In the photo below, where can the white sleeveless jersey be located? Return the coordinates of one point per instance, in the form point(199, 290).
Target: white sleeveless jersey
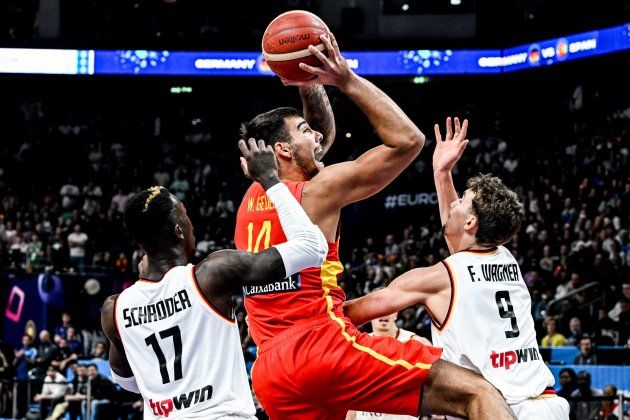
point(404, 336)
point(489, 328)
point(186, 357)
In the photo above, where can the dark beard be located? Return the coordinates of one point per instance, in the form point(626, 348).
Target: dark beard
point(309, 168)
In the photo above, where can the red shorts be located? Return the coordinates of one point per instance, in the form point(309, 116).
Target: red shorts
point(325, 366)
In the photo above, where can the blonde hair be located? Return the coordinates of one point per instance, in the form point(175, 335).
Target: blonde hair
point(153, 192)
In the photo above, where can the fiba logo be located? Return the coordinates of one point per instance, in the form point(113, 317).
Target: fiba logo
point(562, 49)
point(533, 55)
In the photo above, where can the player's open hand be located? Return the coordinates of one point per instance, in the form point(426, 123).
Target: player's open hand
point(450, 149)
point(334, 70)
point(259, 162)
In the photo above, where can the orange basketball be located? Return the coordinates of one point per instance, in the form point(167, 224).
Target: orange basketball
point(286, 40)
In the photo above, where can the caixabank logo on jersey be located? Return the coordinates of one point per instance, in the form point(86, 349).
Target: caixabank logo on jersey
point(164, 408)
point(506, 359)
point(290, 284)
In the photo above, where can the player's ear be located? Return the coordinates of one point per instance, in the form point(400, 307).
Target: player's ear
point(471, 223)
point(178, 231)
point(282, 149)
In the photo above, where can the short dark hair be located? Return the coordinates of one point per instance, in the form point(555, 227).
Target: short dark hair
point(497, 208)
point(269, 126)
point(570, 372)
point(149, 219)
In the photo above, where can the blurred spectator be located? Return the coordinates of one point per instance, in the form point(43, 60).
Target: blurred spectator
point(585, 410)
point(391, 248)
point(575, 332)
point(611, 409)
point(553, 338)
point(587, 354)
point(75, 342)
point(204, 246)
point(66, 321)
point(122, 263)
point(6, 380)
point(540, 311)
point(53, 392)
point(102, 393)
point(69, 193)
point(24, 361)
point(46, 353)
point(119, 200)
point(161, 176)
point(180, 186)
point(100, 351)
point(624, 320)
point(64, 356)
point(76, 244)
point(568, 382)
point(79, 391)
point(605, 330)
point(564, 289)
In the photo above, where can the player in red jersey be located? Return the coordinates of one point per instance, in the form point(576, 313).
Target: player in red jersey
point(312, 362)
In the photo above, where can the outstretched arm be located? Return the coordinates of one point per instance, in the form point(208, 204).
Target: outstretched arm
point(427, 286)
point(447, 152)
point(402, 140)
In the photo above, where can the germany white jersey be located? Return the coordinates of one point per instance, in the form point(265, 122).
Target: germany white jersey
point(185, 356)
point(404, 336)
point(489, 328)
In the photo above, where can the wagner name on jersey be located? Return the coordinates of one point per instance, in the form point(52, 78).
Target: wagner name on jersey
point(489, 328)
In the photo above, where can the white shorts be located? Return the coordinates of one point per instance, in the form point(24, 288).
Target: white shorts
point(545, 407)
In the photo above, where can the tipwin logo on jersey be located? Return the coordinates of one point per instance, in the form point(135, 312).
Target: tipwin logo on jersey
point(508, 358)
point(163, 408)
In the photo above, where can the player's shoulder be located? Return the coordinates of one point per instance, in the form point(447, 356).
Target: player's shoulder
point(110, 302)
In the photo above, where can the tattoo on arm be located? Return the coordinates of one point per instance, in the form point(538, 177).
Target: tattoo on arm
point(318, 113)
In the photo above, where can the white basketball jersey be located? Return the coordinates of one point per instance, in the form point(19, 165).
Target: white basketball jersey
point(186, 357)
point(489, 328)
point(404, 336)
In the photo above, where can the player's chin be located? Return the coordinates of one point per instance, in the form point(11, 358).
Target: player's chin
point(320, 165)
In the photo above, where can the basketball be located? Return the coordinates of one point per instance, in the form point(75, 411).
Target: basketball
point(286, 40)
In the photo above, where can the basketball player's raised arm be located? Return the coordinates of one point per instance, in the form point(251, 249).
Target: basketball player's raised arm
point(426, 286)
point(402, 141)
point(306, 245)
point(319, 115)
point(447, 152)
point(121, 371)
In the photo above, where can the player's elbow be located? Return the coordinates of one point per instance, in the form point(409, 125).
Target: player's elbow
point(411, 143)
point(416, 140)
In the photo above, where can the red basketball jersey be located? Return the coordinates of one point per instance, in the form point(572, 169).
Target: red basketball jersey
point(276, 306)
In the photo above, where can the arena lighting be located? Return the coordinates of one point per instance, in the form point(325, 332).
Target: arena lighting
point(415, 63)
point(181, 89)
point(456, 2)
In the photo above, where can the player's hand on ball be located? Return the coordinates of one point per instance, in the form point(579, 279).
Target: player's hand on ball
point(334, 70)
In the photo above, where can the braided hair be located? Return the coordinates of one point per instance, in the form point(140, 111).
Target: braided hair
point(150, 219)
